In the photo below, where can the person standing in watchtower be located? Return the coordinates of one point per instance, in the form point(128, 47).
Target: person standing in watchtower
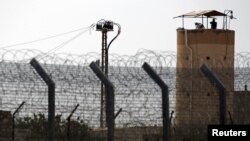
point(213, 24)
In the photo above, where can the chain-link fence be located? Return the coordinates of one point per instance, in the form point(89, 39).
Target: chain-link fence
point(136, 94)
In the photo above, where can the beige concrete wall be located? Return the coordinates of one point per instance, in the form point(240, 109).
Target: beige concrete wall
point(197, 101)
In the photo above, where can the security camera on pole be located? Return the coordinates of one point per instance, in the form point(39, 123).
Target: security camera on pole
point(105, 26)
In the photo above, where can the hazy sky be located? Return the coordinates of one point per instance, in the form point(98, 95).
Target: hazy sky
point(145, 24)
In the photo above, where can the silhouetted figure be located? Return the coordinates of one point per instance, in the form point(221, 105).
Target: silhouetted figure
point(213, 24)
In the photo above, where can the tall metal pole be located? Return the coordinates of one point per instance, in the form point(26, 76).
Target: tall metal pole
point(165, 100)
point(103, 68)
point(104, 27)
point(51, 97)
point(222, 91)
point(110, 100)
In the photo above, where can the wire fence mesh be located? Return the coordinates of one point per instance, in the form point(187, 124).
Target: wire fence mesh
point(135, 92)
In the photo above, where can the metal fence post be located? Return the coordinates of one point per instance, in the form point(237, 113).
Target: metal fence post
point(222, 90)
point(68, 119)
point(51, 97)
point(109, 100)
point(13, 119)
point(165, 99)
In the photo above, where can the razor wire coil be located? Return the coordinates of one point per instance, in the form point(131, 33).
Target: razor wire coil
point(135, 92)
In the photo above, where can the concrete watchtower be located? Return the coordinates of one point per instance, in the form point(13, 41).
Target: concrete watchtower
point(197, 101)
